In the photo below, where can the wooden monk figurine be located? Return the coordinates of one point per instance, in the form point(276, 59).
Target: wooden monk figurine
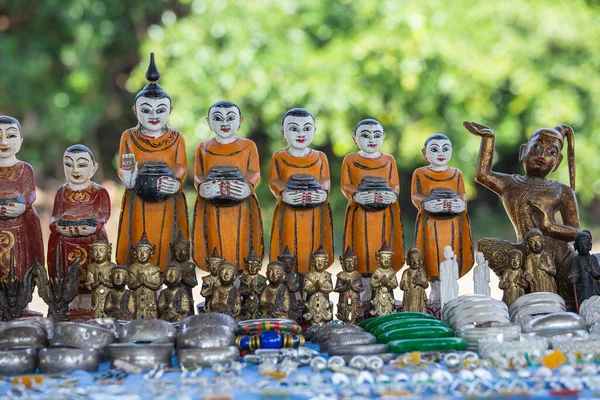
point(438, 192)
point(349, 285)
point(226, 297)
point(81, 208)
point(20, 228)
point(318, 285)
point(144, 279)
point(174, 303)
point(98, 275)
point(275, 298)
point(227, 172)
point(299, 179)
point(512, 281)
point(413, 283)
point(292, 282)
point(211, 282)
point(371, 185)
point(252, 285)
point(180, 255)
point(585, 268)
point(539, 267)
point(152, 166)
point(383, 282)
point(120, 301)
point(532, 201)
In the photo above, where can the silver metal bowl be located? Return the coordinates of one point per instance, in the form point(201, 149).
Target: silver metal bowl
point(207, 357)
point(22, 336)
point(18, 361)
point(201, 337)
point(64, 360)
point(145, 356)
point(209, 319)
point(46, 323)
point(148, 331)
point(81, 336)
point(107, 323)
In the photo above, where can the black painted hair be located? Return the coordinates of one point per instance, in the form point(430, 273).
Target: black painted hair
point(297, 112)
point(583, 234)
point(124, 268)
point(152, 90)
point(437, 136)
point(5, 119)
point(224, 104)
point(367, 121)
point(79, 148)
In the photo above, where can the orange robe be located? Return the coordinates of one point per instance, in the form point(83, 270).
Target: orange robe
point(161, 220)
point(303, 230)
point(433, 233)
point(231, 228)
point(365, 231)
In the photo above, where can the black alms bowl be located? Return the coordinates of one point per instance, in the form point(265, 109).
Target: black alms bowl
point(146, 185)
point(225, 173)
point(374, 184)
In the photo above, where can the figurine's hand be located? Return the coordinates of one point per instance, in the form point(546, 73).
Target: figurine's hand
point(238, 190)
point(434, 206)
point(542, 215)
point(478, 129)
point(84, 230)
point(385, 197)
point(64, 230)
point(12, 210)
point(129, 170)
point(209, 189)
point(167, 185)
point(292, 197)
point(316, 197)
point(364, 198)
point(455, 205)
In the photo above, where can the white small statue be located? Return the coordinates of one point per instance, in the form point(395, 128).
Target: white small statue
point(448, 276)
point(481, 275)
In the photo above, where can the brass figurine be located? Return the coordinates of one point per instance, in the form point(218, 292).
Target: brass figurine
point(585, 269)
point(275, 298)
point(174, 303)
point(318, 285)
point(349, 285)
point(293, 282)
point(413, 283)
point(180, 255)
point(120, 301)
point(98, 275)
point(512, 281)
point(58, 292)
point(226, 297)
point(15, 292)
point(383, 282)
point(144, 279)
point(252, 285)
point(211, 282)
point(539, 267)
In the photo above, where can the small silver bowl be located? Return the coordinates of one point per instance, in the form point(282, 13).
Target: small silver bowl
point(209, 319)
point(18, 361)
point(81, 336)
point(43, 322)
point(56, 360)
point(207, 357)
point(107, 323)
point(22, 336)
point(202, 337)
point(148, 331)
point(145, 356)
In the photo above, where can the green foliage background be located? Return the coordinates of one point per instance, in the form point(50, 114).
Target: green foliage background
point(70, 69)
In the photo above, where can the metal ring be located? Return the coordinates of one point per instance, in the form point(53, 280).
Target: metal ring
point(451, 360)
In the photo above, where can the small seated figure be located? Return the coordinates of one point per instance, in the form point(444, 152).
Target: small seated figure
point(413, 283)
point(383, 282)
point(539, 267)
point(144, 279)
point(448, 277)
point(512, 281)
point(120, 301)
point(210, 282)
point(292, 281)
point(98, 275)
point(252, 285)
point(481, 275)
point(180, 255)
point(585, 269)
point(275, 298)
point(349, 285)
point(174, 303)
point(226, 297)
point(318, 285)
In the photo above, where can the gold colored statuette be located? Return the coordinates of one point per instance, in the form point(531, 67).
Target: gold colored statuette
point(275, 298)
point(120, 301)
point(174, 303)
point(251, 286)
point(349, 286)
point(512, 281)
point(211, 282)
point(144, 280)
point(226, 297)
point(383, 282)
point(318, 285)
point(98, 276)
point(413, 283)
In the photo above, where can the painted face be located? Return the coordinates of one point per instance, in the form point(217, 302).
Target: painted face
point(414, 260)
point(253, 266)
point(349, 264)
point(153, 113)
point(516, 261)
point(79, 167)
point(224, 121)
point(385, 259)
point(299, 131)
point(119, 277)
point(535, 243)
point(226, 274)
point(172, 275)
point(100, 253)
point(213, 265)
point(10, 140)
point(369, 138)
point(274, 274)
point(143, 253)
point(320, 262)
point(542, 155)
point(181, 252)
point(438, 152)
point(583, 244)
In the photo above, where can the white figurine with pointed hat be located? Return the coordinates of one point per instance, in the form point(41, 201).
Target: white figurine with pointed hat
point(448, 277)
point(481, 275)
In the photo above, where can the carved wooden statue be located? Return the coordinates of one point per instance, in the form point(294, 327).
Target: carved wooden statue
point(413, 283)
point(98, 276)
point(15, 293)
point(349, 285)
point(180, 255)
point(585, 268)
point(226, 297)
point(120, 301)
point(174, 303)
point(318, 285)
point(539, 267)
point(211, 282)
point(512, 281)
point(59, 291)
point(292, 281)
point(383, 282)
point(144, 279)
point(275, 298)
point(252, 285)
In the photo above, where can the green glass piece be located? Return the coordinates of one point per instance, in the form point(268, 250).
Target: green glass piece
point(406, 323)
point(416, 332)
point(429, 344)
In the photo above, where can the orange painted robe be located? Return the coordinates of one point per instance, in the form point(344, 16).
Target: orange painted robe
point(303, 230)
point(231, 228)
point(365, 231)
point(22, 234)
point(433, 233)
point(161, 220)
point(92, 202)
